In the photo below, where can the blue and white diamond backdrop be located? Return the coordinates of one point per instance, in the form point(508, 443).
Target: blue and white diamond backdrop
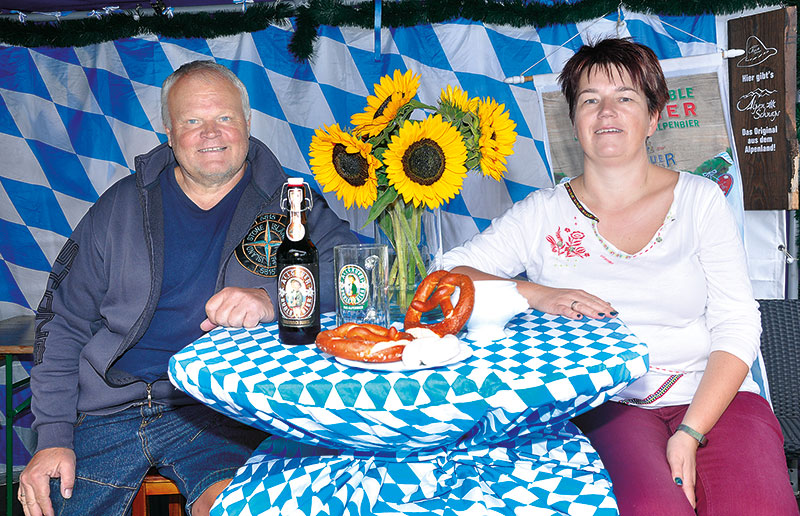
point(73, 119)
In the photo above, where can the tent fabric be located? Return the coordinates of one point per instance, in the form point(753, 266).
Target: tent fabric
point(73, 119)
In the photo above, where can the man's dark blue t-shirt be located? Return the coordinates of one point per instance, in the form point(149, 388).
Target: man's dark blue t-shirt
point(193, 240)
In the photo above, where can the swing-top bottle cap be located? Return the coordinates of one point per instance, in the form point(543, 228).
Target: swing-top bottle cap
point(295, 181)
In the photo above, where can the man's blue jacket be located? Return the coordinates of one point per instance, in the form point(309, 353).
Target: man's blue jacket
point(106, 282)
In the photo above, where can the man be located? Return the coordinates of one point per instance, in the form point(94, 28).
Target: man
point(184, 245)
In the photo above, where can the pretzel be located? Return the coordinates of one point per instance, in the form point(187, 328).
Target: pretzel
point(436, 289)
point(356, 342)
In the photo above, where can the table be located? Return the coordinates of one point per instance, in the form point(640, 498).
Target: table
point(16, 338)
point(489, 435)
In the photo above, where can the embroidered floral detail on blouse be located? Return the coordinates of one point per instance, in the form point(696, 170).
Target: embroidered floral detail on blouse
point(569, 247)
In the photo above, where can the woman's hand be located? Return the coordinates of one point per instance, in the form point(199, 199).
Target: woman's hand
point(572, 303)
point(682, 456)
point(721, 380)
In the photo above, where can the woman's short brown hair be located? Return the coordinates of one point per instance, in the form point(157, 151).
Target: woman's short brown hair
point(617, 55)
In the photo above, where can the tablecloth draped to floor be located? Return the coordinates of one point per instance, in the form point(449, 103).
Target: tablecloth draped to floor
point(490, 435)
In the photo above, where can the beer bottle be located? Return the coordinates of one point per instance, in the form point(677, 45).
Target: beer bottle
point(298, 271)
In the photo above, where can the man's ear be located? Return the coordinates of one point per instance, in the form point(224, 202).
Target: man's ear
point(169, 136)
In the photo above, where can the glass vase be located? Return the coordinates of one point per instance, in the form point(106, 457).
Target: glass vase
point(414, 237)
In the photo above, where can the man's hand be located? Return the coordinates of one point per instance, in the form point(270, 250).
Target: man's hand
point(682, 459)
point(238, 308)
point(34, 482)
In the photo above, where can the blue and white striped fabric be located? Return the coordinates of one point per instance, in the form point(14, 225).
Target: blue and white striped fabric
point(485, 436)
point(73, 119)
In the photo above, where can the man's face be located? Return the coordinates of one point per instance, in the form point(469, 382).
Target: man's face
point(209, 134)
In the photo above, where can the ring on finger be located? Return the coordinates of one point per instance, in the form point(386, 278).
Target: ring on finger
point(572, 306)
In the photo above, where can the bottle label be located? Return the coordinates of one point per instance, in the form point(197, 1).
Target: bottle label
point(296, 295)
point(353, 288)
point(295, 231)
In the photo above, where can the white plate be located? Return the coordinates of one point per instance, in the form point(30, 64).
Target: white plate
point(465, 351)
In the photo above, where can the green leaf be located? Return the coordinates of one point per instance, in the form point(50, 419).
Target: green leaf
point(378, 153)
point(380, 205)
point(385, 224)
point(473, 162)
point(415, 104)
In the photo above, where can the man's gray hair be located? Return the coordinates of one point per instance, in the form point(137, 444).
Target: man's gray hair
point(200, 67)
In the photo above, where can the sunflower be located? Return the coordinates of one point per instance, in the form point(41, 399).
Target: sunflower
point(343, 163)
point(497, 137)
point(453, 96)
point(425, 161)
point(390, 95)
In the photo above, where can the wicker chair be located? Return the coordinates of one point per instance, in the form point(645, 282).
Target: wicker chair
point(780, 345)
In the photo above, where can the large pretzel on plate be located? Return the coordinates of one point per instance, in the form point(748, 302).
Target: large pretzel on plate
point(357, 341)
point(435, 290)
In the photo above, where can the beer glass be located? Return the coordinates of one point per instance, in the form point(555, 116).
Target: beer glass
point(362, 274)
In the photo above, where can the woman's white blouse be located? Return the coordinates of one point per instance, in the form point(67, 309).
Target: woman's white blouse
point(685, 294)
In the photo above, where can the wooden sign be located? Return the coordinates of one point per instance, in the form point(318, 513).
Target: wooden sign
point(762, 98)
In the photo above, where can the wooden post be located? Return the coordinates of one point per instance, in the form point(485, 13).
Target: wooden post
point(763, 96)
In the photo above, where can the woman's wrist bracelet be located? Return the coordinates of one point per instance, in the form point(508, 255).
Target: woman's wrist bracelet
point(700, 438)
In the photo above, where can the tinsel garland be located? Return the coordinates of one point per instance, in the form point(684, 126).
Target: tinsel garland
point(91, 30)
point(308, 18)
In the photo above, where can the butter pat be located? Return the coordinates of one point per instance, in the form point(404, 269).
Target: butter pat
point(428, 349)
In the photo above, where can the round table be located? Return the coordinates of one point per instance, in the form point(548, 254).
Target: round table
point(488, 435)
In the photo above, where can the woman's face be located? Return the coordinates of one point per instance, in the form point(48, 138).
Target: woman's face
point(611, 117)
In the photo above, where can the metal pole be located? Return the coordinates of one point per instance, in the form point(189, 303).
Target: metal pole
point(9, 433)
point(791, 245)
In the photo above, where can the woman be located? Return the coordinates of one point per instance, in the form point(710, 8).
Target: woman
point(661, 249)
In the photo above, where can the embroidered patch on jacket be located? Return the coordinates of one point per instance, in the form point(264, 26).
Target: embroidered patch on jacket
point(256, 252)
point(568, 245)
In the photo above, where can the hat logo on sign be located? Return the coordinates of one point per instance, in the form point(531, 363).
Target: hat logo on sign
point(757, 52)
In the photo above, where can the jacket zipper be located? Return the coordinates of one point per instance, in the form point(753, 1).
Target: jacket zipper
point(149, 395)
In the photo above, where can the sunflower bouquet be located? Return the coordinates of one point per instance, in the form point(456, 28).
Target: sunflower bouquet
point(398, 166)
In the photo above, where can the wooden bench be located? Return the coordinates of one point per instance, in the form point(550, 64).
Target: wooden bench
point(16, 340)
point(156, 485)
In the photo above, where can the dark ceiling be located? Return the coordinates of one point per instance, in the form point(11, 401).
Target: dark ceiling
point(89, 5)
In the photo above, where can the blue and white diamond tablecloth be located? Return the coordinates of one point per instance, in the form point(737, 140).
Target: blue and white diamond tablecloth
point(489, 435)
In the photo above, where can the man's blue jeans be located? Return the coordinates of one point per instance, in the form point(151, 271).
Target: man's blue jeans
point(192, 445)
